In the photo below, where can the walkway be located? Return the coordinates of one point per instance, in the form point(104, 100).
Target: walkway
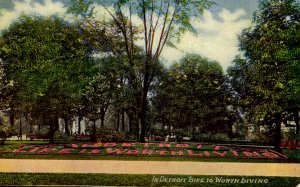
point(149, 167)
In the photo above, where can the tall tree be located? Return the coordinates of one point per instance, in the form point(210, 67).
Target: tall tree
point(271, 51)
point(47, 64)
point(162, 23)
point(192, 95)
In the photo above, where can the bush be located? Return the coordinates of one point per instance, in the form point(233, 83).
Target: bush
point(202, 137)
point(58, 135)
point(261, 137)
point(110, 135)
point(180, 132)
point(5, 132)
point(211, 137)
point(291, 135)
point(160, 132)
point(219, 137)
point(130, 137)
point(43, 132)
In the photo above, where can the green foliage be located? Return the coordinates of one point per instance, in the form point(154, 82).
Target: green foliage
point(5, 129)
point(191, 94)
point(5, 132)
point(110, 135)
point(162, 20)
point(269, 50)
point(59, 135)
point(264, 80)
point(262, 137)
point(208, 137)
point(81, 7)
point(291, 135)
point(47, 65)
point(43, 132)
point(42, 52)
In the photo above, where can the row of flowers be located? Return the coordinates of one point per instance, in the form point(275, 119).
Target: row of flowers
point(291, 144)
point(157, 145)
point(238, 153)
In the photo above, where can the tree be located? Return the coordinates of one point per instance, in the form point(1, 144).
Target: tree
point(162, 22)
point(47, 65)
point(192, 95)
point(271, 49)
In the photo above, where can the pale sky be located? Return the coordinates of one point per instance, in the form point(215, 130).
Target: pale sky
point(217, 30)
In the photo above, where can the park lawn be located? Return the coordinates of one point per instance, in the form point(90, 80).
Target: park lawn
point(141, 180)
point(10, 146)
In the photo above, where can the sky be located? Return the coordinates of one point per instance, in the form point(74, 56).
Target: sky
point(217, 29)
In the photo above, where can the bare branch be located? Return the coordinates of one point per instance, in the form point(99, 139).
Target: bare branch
point(145, 25)
point(151, 29)
point(131, 29)
point(167, 34)
point(163, 31)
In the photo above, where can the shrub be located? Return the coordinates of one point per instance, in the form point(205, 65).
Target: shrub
point(208, 137)
point(202, 137)
point(130, 137)
point(59, 135)
point(219, 137)
point(110, 135)
point(160, 132)
point(180, 132)
point(43, 132)
point(261, 137)
point(5, 132)
point(291, 135)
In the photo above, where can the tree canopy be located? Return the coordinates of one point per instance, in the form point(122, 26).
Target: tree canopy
point(265, 78)
point(46, 65)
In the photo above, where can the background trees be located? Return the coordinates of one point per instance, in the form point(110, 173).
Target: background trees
point(191, 95)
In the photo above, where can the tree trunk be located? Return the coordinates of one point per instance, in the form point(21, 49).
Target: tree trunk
point(130, 121)
point(102, 117)
point(143, 113)
point(12, 119)
point(51, 132)
point(296, 119)
point(143, 125)
point(67, 130)
point(20, 128)
point(277, 136)
point(123, 120)
point(94, 136)
point(136, 126)
point(79, 125)
point(118, 121)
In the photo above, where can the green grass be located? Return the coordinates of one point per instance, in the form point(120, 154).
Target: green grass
point(293, 154)
point(12, 145)
point(136, 180)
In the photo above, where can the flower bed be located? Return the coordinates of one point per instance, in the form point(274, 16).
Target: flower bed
point(152, 149)
point(291, 144)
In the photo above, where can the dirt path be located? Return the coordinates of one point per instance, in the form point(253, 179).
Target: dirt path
point(149, 167)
